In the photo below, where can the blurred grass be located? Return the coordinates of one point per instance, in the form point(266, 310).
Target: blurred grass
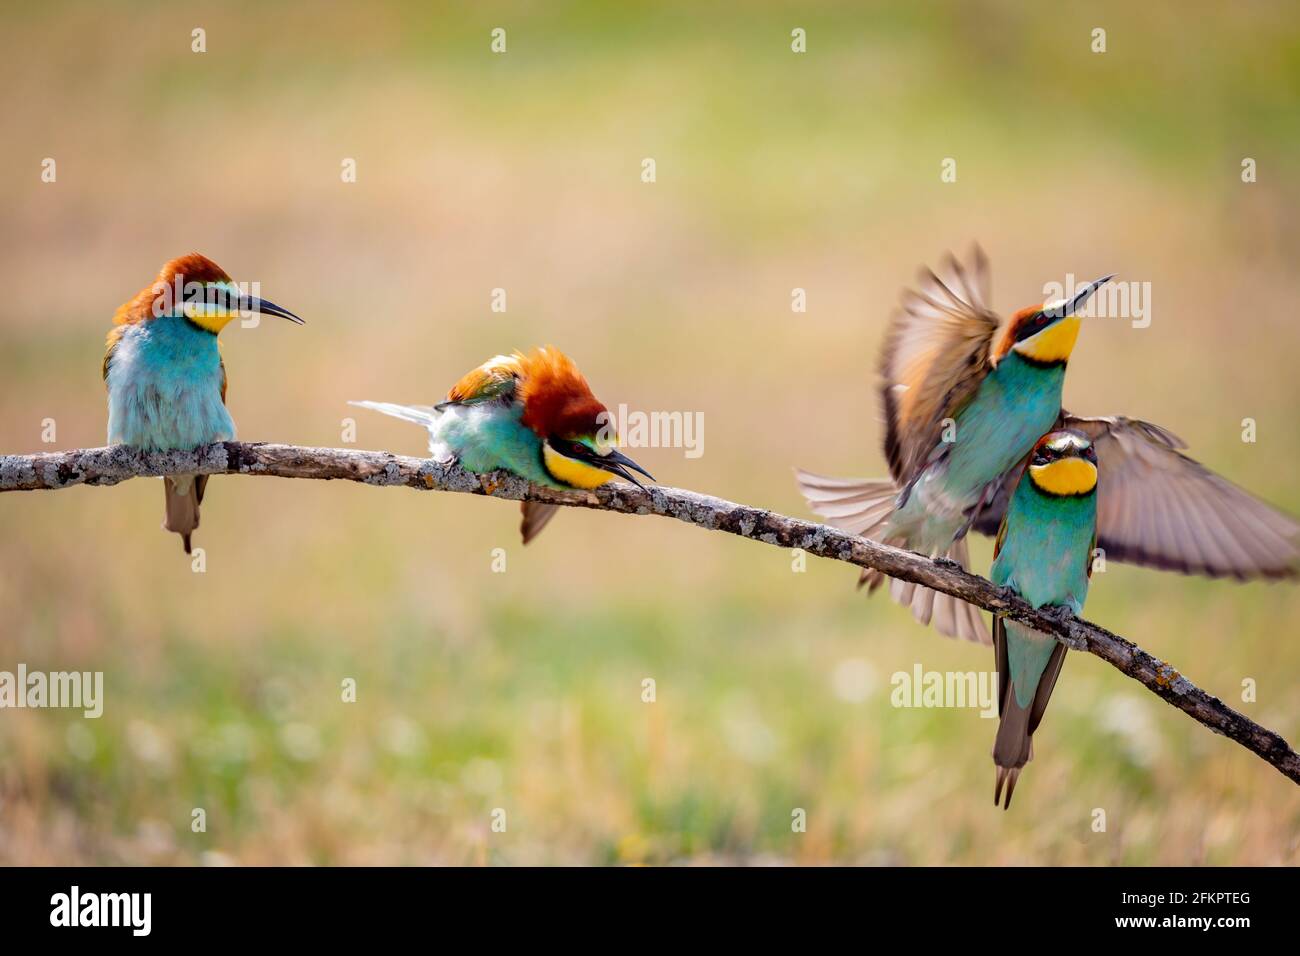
point(522, 690)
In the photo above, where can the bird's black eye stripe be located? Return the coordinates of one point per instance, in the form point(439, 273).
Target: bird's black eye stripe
point(571, 449)
point(214, 295)
point(1034, 325)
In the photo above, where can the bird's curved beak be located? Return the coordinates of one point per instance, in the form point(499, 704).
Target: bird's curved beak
point(1066, 307)
point(618, 463)
point(251, 303)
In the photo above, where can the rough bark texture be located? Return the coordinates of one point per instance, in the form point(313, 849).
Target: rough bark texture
point(108, 466)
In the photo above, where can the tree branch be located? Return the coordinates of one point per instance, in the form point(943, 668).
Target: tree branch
point(108, 466)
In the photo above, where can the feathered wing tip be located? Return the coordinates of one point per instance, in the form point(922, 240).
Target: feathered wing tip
point(536, 516)
point(183, 495)
point(1159, 508)
point(937, 350)
point(496, 378)
point(951, 617)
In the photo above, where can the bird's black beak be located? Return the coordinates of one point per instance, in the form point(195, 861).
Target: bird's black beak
point(1070, 306)
point(615, 462)
point(618, 463)
point(251, 303)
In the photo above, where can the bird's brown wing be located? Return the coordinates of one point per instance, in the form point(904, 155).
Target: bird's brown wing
point(1157, 507)
point(936, 353)
point(114, 336)
point(497, 378)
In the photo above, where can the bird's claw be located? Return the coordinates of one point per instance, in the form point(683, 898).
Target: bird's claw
point(1059, 613)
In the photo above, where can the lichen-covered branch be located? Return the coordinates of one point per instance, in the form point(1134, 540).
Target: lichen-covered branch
point(108, 466)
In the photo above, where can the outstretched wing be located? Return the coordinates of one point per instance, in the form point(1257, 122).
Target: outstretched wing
point(936, 353)
point(1157, 507)
point(494, 379)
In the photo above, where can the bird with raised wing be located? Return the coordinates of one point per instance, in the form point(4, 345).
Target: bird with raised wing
point(165, 375)
point(964, 407)
point(532, 415)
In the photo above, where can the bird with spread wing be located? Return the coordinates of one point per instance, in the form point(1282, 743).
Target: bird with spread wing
point(964, 407)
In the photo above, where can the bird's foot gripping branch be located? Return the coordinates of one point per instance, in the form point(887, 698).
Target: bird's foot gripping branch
point(108, 466)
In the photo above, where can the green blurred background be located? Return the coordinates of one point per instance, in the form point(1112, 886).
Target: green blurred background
point(522, 690)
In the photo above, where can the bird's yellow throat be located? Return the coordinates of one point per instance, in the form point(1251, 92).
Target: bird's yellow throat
point(1053, 344)
point(1065, 476)
point(571, 472)
point(214, 318)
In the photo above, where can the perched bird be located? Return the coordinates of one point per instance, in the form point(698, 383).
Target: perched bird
point(164, 372)
point(532, 415)
point(1044, 554)
point(962, 412)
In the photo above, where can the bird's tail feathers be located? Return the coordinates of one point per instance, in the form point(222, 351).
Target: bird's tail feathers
point(951, 617)
point(536, 515)
point(425, 415)
point(860, 506)
point(184, 494)
point(1013, 747)
point(864, 507)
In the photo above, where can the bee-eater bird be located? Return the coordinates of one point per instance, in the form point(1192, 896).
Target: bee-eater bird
point(164, 372)
point(532, 415)
point(1044, 554)
point(961, 413)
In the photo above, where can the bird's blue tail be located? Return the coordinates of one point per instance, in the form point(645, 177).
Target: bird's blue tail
point(425, 415)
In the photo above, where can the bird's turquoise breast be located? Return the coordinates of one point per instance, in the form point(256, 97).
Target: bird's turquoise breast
point(1044, 558)
point(1017, 403)
point(164, 387)
point(1047, 546)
